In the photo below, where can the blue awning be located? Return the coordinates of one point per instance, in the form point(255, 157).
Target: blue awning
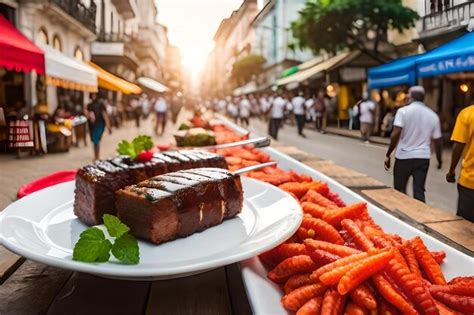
point(398, 72)
point(454, 56)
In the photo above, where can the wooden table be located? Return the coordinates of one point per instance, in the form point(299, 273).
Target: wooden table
point(38, 289)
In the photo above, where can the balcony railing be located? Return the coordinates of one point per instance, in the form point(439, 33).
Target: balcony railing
point(451, 17)
point(76, 9)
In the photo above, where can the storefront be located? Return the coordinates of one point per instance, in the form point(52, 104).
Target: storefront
point(18, 56)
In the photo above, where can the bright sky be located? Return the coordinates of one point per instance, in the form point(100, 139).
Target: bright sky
point(192, 25)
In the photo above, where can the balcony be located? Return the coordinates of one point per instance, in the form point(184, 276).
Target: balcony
point(445, 18)
point(115, 49)
point(126, 8)
point(77, 10)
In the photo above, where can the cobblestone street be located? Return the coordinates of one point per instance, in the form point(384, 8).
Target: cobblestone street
point(16, 172)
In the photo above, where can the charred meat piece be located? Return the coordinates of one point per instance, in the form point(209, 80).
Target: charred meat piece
point(96, 184)
point(179, 204)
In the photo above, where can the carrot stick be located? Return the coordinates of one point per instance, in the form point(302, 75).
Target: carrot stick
point(359, 238)
point(323, 230)
point(297, 298)
point(364, 297)
point(459, 303)
point(339, 250)
point(410, 258)
point(317, 198)
point(350, 212)
point(332, 302)
point(338, 265)
point(311, 307)
point(315, 210)
point(354, 309)
point(427, 262)
point(321, 257)
point(385, 288)
point(455, 289)
point(297, 281)
point(363, 271)
point(291, 266)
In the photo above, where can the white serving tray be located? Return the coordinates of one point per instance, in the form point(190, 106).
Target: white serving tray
point(264, 296)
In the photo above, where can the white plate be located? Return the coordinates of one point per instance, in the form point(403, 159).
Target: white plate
point(265, 296)
point(42, 227)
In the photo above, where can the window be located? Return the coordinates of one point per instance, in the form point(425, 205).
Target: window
point(57, 43)
point(43, 36)
point(78, 54)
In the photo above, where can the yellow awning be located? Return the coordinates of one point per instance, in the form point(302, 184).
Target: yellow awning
point(111, 82)
point(319, 68)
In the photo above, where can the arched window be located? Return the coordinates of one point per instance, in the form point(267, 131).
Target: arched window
point(78, 54)
point(43, 36)
point(57, 44)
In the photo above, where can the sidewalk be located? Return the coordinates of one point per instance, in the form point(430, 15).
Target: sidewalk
point(356, 135)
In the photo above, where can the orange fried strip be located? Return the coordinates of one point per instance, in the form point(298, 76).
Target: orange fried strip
point(317, 198)
point(410, 258)
point(331, 303)
point(339, 250)
point(359, 238)
point(315, 210)
point(291, 266)
point(338, 265)
point(297, 298)
point(362, 271)
point(385, 288)
point(427, 262)
point(457, 289)
point(354, 309)
point(311, 307)
point(350, 212)
point(364, 297)
point(323, 230)
point(297, 281)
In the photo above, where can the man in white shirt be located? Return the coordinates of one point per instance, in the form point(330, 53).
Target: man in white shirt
point(233, 109)
point(299, 110)
point(244, 111)
point(365, 110)
point(414, 127)
point(277, 112)
point(160, 108)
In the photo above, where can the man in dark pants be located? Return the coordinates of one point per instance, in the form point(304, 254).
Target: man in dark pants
point(415, 126)
point(299, 111)
point(463, 138)
point(277, 110)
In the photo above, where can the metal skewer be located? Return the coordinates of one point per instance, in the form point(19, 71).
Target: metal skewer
point(253, 168)
point(258, 142)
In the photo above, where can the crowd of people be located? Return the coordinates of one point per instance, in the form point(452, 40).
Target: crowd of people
point(277, 108)
point(413, 130)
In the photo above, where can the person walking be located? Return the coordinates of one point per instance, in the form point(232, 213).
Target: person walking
point(463, 141)
point(299, 110)
point(415, 127)
point(277, 112)
point(97, 119)
point(233, 109)
point(320, 105)
point(244, 111)
point(365, 109)
point(161, 108)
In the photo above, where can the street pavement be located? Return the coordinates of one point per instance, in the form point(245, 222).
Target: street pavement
point(365, 158)
point(15, 172)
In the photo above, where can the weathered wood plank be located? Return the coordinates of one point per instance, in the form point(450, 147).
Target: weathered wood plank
point(394, 200)
point(31, 289)
point(237, 294)
point(359, 182)
point(9, 262)
point(205, 293)
point(294, 152)
point(85, 293)
point(461, 232)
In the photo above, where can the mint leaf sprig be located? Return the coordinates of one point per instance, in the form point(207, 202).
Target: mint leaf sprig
point(138, 144)
point(93, 246)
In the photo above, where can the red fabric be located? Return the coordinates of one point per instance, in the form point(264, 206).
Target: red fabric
point(43, 182)
point(17, 52)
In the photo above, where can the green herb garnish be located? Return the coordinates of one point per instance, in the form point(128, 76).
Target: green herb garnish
point(132, 149)
point(93, 246)
point(114, 226)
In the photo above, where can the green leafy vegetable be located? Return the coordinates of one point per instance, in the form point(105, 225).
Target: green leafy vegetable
point(126, 250)
point(92, 246)
point(114, 226)
point(132, 149)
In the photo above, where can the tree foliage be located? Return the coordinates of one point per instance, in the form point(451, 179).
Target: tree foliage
point(331, 25)
point(246, 67)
